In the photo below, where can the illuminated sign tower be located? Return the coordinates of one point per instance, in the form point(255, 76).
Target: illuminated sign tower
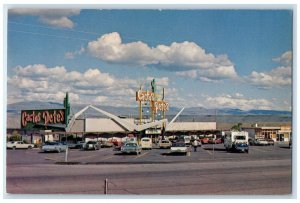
point(156, 102)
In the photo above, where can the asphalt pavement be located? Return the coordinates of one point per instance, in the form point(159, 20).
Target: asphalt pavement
point(265, 170)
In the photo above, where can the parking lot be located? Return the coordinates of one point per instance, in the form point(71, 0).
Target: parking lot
point(208, 152)
point(265, 170)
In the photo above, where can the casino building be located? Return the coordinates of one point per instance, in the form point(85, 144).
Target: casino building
point(40, 125)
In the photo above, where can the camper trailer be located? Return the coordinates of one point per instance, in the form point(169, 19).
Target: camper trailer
point(236, 141)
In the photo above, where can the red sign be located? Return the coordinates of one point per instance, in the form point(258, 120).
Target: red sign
point(161, 106)
point(45, 117)
point(144, 96)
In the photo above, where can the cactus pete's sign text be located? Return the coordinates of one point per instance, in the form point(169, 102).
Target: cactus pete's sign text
point(50, 116)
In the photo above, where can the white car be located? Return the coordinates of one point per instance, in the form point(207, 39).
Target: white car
point(179, 147)
point(18, 145)
point(54, 147)
point(164, 144)
point(146, 143)
point(261, 142)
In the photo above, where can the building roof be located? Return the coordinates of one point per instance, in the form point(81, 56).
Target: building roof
point(271, 128)
point(102, 125)
point(78, 126)
point(192, 126)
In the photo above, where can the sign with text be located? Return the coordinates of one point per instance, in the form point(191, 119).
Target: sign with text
point(144, 96)
point(160, 106)
point(152, 131)
point(43, 117)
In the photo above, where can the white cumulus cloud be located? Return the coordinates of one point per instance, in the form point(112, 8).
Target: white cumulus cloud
point(285, 58)
point(278, 77)
point(237, 101)
point(41, 83)
point(188, 58)
point(71, 55)
point(109, 47)
point(53, 17)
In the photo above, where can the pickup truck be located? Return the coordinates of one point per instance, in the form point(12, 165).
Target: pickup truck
point(18, 145)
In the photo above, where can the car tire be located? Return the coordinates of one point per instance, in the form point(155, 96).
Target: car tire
point(58, 150)
point(14, 148)
point(29, 147)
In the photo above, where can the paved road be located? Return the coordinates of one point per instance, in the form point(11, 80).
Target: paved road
point(243, 177)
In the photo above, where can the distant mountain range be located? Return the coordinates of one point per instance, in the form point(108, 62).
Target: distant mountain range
point(133, 111)
point(192, 114)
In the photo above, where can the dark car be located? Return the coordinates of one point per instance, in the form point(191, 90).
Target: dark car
point(79, 144)
point(70, 145)
point(251, 141)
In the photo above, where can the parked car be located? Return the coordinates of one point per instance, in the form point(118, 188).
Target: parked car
point(91, 145)
point(106, 144)
point(218, 141)
point(70, 145)
point(211, 141)
point(261, 142)
point(54, 147)
point(79, 144)
point(187, 140)
point(270, 141)
point(164, 144)
point(251, 141)
point(146, 143)
point(118, 146)
point(131, 147)
point(179, 147)
point(18, 145)
point(204, 140)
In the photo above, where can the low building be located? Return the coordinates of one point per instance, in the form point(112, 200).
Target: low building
point(266, 132)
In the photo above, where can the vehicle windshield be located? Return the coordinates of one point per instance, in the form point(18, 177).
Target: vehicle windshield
point(146, 140)
point(131, 145)
point(240, 137)
point(91, 142)
point(164, 141)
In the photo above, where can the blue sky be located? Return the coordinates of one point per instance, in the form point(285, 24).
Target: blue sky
point(209, 58)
